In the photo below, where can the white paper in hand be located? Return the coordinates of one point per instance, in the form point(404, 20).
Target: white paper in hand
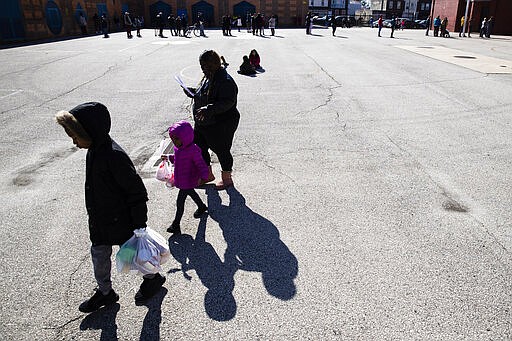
point(182, 84)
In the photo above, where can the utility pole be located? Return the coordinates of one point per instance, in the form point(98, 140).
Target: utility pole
point(465, 19)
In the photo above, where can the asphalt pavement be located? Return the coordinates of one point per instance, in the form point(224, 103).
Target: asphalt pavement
point(371, 200)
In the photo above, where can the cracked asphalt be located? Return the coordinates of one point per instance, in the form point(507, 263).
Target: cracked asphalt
point(372, 196)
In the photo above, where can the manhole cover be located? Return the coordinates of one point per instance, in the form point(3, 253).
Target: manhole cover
point(465, 57)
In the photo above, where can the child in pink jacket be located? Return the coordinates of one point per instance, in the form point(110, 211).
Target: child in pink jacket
point(190, 171)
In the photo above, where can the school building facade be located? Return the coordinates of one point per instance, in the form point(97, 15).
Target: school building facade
point(25, 20)
point(500, 10)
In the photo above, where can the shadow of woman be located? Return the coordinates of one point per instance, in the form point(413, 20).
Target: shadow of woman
point(104, 319)
point(253, 243)
point(218, 277)
point(151, 325)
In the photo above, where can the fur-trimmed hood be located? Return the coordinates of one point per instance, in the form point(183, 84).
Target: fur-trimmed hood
point(90, 121)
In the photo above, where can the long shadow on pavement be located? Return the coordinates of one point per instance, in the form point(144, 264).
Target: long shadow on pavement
point(104, 319)
point(151, 325)
point(253, 244)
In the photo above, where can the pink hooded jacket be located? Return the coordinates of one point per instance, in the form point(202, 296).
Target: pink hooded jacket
point(189, 165)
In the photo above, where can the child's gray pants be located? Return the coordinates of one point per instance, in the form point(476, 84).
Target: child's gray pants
point(102, 265)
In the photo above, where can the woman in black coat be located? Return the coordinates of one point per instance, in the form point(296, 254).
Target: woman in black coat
point(215, 115)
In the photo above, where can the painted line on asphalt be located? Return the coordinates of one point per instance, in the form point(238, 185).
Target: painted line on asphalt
point(12, 93)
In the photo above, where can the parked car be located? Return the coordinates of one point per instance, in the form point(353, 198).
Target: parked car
point(385, 23)
point(420, 23)
point(345, 21)
point(321, 21)
point(408, 23)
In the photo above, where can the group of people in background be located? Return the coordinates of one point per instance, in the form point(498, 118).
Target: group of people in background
point(466, 26)
point(486, 27)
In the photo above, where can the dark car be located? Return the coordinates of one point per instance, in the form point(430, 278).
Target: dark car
point(345, 21)
point(420, 23)
point(321, 21)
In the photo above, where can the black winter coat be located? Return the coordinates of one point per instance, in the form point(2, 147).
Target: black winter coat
point(115, 195)
point(219, 96)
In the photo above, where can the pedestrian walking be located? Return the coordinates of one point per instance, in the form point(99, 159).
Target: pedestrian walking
point(104, 25)
point(393, 26)
point(128, 24)
point(115, 198)
point(83, 24)
point(178, 25)
point(461, 31)
point(172, 24)
point(216, 117)
point(190, 171)
point(308, 23)
point(488, 29)
point(371, 22)
point(333, 25)
point(428, 22)
point(272, 24)
point(160, 24)
point(139, 23)
point(380, 23)
point(437, 25)
point(444, 25)
point(239, 23)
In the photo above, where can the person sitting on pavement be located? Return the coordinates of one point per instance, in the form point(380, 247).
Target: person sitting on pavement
point(254, 59)
point(246, 68)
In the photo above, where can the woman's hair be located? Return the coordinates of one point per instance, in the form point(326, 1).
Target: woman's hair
point(210, 57)
point(246, 59)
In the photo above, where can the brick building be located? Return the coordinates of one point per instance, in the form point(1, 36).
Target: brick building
point(501, 10)
point(22, 20)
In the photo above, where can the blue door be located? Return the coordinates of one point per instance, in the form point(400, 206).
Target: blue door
point(11, 22)
point(158, 7)
point(102, 9)
point(242, 8)
point(53, 17)
point(205, 9)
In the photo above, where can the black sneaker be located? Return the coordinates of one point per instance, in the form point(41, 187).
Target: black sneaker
point(174, 228)
point(200, 211)
point(149, 288)
point(98, 300)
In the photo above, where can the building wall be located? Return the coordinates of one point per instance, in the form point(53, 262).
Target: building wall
point(35, 16)
point(290, 12)
point(455, 9)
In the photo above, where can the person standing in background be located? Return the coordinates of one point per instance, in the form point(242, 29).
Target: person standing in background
point(83, 24)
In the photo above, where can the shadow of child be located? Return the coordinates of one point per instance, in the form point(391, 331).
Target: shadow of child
point(104, 319)
point(253, 244)
point(151, 325)
point(200, 256)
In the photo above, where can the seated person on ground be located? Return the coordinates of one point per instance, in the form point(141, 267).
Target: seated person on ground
point(246, 68)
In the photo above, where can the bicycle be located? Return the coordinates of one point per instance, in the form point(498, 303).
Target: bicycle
point(193, 29)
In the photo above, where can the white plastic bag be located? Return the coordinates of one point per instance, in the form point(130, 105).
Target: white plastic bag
point(144, 252)
point(165, 170)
